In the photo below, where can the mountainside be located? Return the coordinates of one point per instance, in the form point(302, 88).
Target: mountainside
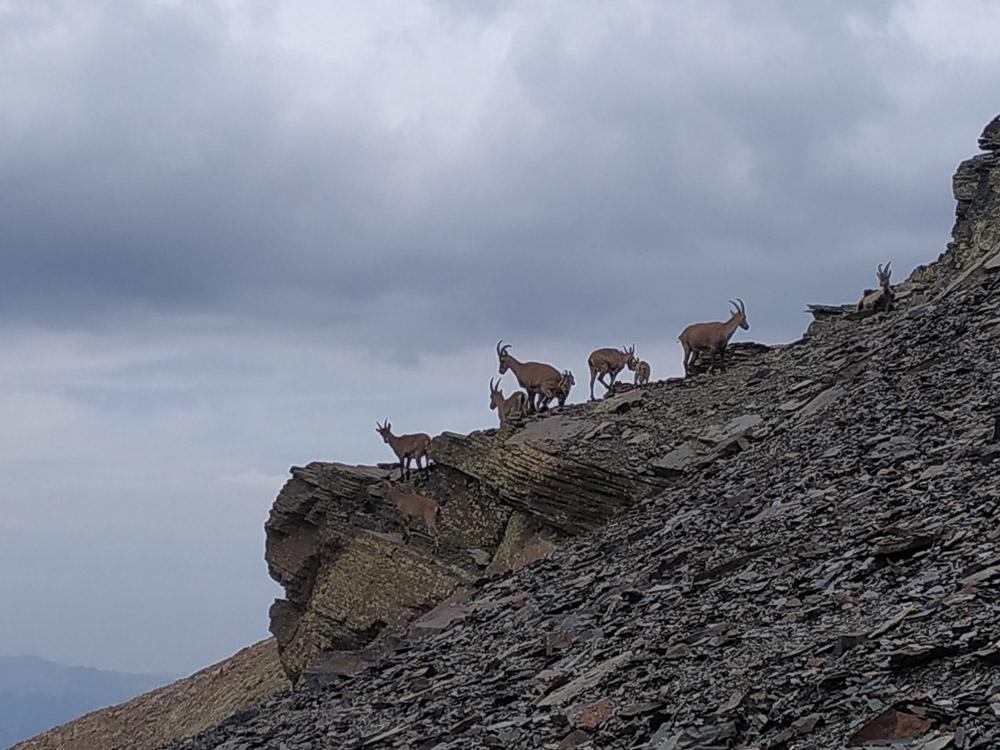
point(802, 552)
point(168, 713)
point(36, 694)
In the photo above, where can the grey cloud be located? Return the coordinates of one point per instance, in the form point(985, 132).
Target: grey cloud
point(616, 155)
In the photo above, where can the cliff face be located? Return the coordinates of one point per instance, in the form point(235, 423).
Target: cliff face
point(507, 498)
point(975, 237)
point(801, 552)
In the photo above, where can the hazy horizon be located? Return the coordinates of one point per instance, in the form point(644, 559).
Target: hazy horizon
point(235, 235)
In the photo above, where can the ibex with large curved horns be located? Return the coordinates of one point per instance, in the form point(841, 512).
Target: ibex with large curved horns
point(514, 406)
point(610, 362)
point(881, 299)
point(713, 337)
point(406, 447)
point(534, 377)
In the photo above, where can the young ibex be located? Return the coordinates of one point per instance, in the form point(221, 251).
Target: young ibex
point(609, 362)
point(411, 505)
point(881, 299)
point(713, 337)
point(406, 447)
point(560, 392)
point(514, 407)
point(534, 377)
point(642, 373)
point(566, 382)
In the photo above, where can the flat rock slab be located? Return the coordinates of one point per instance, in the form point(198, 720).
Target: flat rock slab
point(587, 680)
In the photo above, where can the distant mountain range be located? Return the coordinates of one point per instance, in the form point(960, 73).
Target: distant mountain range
point(36, 694)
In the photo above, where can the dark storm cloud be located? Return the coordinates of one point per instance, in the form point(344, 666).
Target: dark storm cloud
point(649, 153)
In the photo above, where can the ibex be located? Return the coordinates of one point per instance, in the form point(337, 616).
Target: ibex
point(411, 505)
point(642, 373)
point(513, 407)
point(713, 337)
point(609, 362)
point(881, 299)
point(534, 377)
point(566, 382)
point(561, 391)
point(406, 447)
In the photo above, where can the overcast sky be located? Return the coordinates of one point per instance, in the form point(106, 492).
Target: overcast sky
point(234, 234)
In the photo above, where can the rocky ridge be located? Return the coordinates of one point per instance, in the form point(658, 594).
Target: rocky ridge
point(174, 711)
point(802, 552)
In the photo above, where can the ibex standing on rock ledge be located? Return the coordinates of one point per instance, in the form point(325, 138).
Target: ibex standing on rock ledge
point(406, 447)
point(534, 377)
point(561, 391)
point(642, 373)
point(609, 362)
point(411, 505)
point(881, 299)
point(713, 337)
point(514, 406)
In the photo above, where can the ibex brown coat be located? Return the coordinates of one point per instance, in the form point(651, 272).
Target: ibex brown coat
point(713, 337)
point(881, 299)
point(411, 505)
point(534, 377)
point(406, 447)
point(509, 409)
point(560, 392)
point(642, 373)
point(609, 362)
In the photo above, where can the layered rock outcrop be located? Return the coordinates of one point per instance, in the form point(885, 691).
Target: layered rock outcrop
point(975, 237)
point(802, 552)
point(507, 497)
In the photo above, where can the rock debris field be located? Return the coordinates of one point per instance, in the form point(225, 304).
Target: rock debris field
point(815, 564)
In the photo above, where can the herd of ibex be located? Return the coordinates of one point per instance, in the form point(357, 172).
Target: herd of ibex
point(543, 383)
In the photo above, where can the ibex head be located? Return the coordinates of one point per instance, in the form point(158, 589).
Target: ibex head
point(740, 313)
point(384, 430)
point(883, 275)
point(567, 381)
point(496, 395)
point(503, 356)
point(632, 362)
